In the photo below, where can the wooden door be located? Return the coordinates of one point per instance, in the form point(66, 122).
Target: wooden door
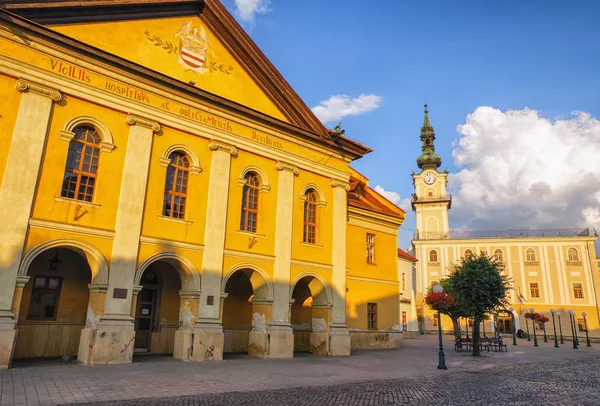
point(144, 320)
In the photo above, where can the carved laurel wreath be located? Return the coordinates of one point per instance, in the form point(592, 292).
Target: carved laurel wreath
point(212, 66)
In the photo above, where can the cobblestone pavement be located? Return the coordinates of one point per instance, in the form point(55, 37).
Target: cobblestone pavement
point(563, 383)
point(38, 382)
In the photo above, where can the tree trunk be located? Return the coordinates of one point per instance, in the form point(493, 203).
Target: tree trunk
point(456, 325)
point(476, 338)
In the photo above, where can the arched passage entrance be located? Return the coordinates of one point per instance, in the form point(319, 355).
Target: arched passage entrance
point(311, 314)
point(166, 298)
point(58, 298)
point(248, 299)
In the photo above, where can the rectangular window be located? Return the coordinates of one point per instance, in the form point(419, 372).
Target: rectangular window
point(404, 323)
point(403, 281)
point(534, 290)
point(435, 320)
point(44, 298)
point(370, 248)
point(372, 316)
point(581, 324)
point(578, 291)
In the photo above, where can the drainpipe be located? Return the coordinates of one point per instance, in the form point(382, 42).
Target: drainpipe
point(593, 280)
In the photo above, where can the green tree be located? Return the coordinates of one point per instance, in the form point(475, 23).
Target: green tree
point(454, 311)
point(479, 287)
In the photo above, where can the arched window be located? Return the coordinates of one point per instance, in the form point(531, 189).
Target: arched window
point(79, 179)
point(310, 217)
point(499, 255)
point(573, 255)
point(433, 256)
point(530, 254)
point(250, 203)
point(176, 185)
point(468, 254)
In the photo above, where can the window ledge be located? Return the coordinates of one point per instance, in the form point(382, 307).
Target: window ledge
point(249, 234)
point(307, 244)
point(433, 263)
point(76, 202)
point(573, 263)
point(531, 263)
point(174, 220)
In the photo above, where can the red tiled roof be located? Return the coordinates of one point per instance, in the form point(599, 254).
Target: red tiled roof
point(406, 255)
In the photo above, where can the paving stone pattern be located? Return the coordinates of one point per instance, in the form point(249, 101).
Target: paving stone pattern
point(557, 383)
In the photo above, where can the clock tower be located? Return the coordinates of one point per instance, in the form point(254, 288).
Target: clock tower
point(430, 202)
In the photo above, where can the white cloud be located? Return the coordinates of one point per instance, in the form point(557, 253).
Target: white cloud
point(340, 106)
point(521, 170)
point(395, 198)
point(247, 9)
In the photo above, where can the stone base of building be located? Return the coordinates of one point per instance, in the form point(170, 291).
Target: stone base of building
point(363, 340)
point(110, 343)
point(411, 334)
point(339, 341)
point(319, 343)
point(183, 345)
point(208, 342)
point(280, 341)
point(258, 344)
point(8, 338)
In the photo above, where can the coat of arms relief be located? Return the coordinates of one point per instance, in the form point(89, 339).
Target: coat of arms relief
point(192, 51)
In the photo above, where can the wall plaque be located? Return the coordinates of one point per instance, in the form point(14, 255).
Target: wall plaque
point(119, 293)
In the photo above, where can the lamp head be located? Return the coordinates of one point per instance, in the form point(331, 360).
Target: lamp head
point(558, 314)
point(571, 312)
point(510, 309)
point(583, 314)
point(532, 310)
point(552, 311)
point(438, 288)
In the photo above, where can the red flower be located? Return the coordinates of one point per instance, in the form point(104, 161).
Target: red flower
point(439, 301)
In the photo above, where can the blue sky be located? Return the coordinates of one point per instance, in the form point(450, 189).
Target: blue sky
point(455, 56)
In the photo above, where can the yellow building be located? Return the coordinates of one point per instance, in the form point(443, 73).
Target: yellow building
point(165, 190)
point(549, 269)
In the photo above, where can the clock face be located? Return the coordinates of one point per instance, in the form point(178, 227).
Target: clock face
point(429, 178)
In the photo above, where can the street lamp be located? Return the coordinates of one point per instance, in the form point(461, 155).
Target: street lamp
point(554, 327)
point(544, 324)
point(442, 359)
point(535, 341)
point(562, 340)
point(587, 336)
point(510, 309)
point(571, 313)
point(467, 327)
point(527, 325)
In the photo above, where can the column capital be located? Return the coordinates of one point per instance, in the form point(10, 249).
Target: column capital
point(98, 287)
point(215, 145)
point(132, 119)
point(340, 183)
point(189, 294)
point(284, 166)
point(22, 281)
point(25, 85)
point(136, 289)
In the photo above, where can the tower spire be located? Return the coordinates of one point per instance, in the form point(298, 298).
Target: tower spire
point(428, 157)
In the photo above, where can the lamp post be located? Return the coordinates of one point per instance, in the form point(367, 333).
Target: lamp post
point(576, 328)
point(510, 309)
point(442, 359)
point(562, 340)
point(572, 328)
point(587, 336)
point(544, 324)
point(527, 325)
point(554, 327)
point(483, 327)
point(535, 341)
point(467, 327)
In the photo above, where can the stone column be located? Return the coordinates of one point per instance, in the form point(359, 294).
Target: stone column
point(18, 295)
point(16, 197)
point(258, 340)
point(188, 311)
point(208, 330)
point(319, 337)
point(114, 336)
point(94, 312)
point(340, 335)
point(134, 297)
point(281, 336)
